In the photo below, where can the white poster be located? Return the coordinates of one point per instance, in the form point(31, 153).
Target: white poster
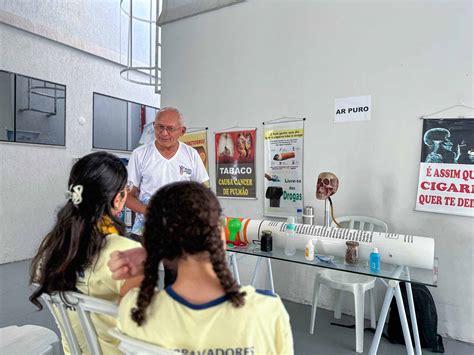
point(283, 183)
point(352, 109)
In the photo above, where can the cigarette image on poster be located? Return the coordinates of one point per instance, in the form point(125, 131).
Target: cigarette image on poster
point(235, 164)
point(446, 167)
point(284, 156)
point(448, 141)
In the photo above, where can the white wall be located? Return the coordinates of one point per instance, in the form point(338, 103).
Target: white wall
point(265, 59)
point(33, 178)
point(97, 27)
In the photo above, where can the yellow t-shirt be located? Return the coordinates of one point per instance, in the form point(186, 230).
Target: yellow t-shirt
point(96, 281)
point(261, 326)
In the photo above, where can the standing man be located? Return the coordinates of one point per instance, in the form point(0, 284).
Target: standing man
point(163, 161)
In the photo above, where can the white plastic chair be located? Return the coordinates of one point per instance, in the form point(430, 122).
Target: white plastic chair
point(354, 283)
point(58, 305)
point(29, 339)
point(132, 346)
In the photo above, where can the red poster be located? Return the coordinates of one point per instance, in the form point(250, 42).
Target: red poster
point(235, 164)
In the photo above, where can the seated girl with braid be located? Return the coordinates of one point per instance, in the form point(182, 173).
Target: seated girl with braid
point(73, 256)
point(204, 310)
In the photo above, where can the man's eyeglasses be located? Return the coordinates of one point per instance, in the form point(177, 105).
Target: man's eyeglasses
point(168, 129)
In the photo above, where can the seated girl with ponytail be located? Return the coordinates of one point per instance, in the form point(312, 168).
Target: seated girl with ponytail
point(204, 310)
point(73, 256)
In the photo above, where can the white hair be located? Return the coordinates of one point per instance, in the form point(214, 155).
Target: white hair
point(171, 109)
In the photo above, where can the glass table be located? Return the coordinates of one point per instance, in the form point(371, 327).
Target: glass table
point(391, 275)
point(387, 271)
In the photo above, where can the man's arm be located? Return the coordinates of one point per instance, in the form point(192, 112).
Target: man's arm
point(133, 202)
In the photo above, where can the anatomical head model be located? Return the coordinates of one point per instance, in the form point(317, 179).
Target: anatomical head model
point(326, 185)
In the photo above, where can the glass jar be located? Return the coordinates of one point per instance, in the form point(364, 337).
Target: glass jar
point(266, 241)
point(352, 252)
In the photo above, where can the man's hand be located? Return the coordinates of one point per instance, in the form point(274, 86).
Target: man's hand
point(127, 264)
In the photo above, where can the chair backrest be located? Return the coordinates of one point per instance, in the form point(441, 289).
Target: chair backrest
point(362, 223)
point(83, 305)
point(59, 311)
point(132, 346)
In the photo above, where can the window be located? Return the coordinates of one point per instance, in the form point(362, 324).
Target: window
point(32, 110)
point(118, 124)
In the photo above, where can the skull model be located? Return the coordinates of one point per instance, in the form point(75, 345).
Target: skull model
point(326, 186)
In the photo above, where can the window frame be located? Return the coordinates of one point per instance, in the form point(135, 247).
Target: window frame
point(15, 111)
point(94, 93)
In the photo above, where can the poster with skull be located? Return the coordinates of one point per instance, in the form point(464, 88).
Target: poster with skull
point(446, 176)
point(235, 164)
point(283, 183)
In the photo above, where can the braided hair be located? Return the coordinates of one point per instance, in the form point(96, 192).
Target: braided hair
point(183, 219)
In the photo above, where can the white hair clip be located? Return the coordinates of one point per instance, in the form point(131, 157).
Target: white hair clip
point(74, 194)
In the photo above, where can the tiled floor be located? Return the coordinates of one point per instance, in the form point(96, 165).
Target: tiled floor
point(332, 340)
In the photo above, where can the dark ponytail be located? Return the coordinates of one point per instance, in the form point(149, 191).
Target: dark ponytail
point(75, 240)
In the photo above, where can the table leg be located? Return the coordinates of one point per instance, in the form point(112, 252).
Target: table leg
point(255, 271)
point(235, 269)
point(393, 288)
point(270, 275)
point(403, 320)
point(414, 325)
point(383, 316)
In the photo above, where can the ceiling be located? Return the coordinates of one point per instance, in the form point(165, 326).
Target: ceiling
point(174, 10)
